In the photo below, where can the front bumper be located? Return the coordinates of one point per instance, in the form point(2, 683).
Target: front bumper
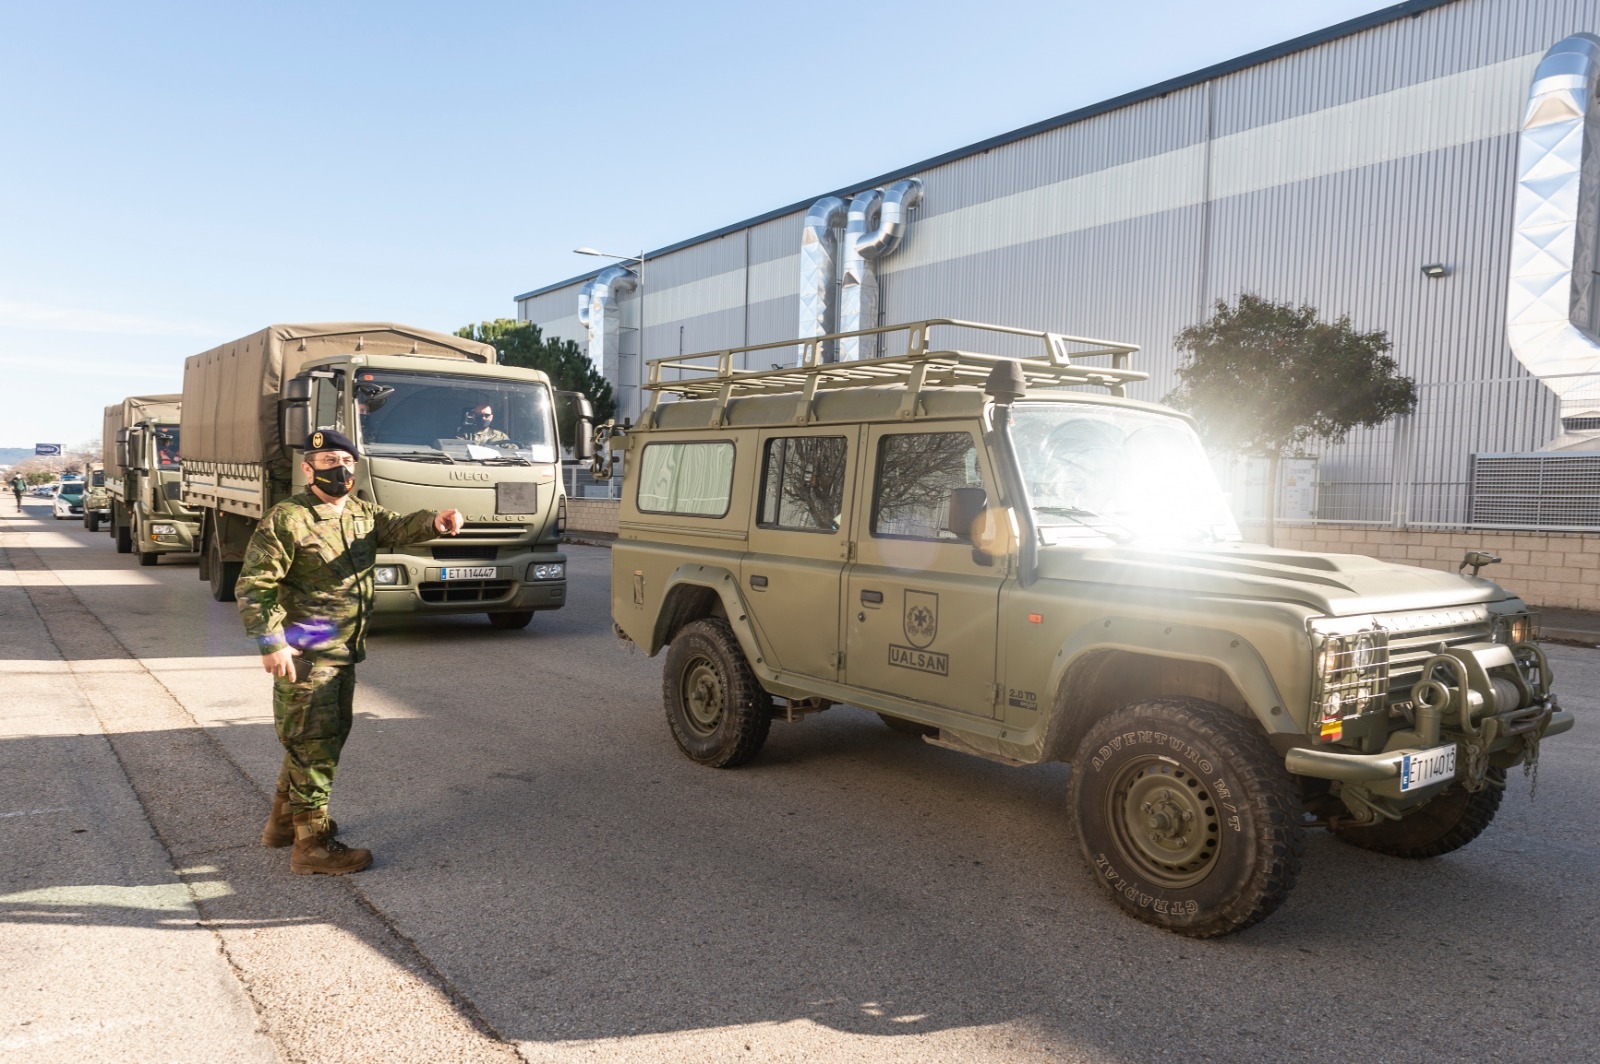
point(508, 590)
point(181, 540)
point(1492, 701)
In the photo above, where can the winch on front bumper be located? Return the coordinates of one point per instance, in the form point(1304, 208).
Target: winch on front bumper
point(1487, 702)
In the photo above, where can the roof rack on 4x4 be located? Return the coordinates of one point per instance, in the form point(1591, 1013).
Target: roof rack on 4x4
point(1060, 362)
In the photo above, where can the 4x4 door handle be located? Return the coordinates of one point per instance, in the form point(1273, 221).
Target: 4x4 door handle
point(871, 598)
point(758, 581)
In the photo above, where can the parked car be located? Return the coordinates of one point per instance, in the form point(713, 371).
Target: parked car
point(67, 500)
point(42, 491)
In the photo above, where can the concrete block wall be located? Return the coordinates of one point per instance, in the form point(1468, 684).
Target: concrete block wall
point(1556, 569)
point(592, 515)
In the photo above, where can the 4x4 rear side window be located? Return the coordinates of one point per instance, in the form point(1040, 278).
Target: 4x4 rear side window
point(802, 483)
point(692, 479)
point(916, 470)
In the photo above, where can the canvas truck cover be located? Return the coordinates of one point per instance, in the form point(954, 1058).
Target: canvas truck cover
point(131, 411)
point(230, 393)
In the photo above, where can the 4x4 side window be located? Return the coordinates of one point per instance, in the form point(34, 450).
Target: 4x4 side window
point(693, 479)
point(916, 471)
point(802, 483)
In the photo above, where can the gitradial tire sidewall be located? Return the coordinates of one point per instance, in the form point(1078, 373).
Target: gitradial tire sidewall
point(1235, 859)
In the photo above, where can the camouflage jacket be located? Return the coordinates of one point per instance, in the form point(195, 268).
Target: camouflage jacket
point(481, 436)
point(307, 576)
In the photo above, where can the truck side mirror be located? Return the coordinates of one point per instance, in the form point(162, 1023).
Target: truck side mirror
point(296, 411)
point(134, 451)
point(120, 447)
point(580, 414)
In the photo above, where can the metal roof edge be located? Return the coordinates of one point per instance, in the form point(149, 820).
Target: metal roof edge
point(1305, 42)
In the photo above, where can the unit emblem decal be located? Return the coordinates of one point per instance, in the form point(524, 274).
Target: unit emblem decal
point(922, 618)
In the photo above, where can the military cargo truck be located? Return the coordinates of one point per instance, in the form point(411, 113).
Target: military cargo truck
point(987, 544)
point(142, 458)
point(96, 501)
point(403, 395)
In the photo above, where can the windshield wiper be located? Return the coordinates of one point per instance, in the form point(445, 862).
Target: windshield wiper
point(415, 456)
point(1079, 515)
point(505, 459)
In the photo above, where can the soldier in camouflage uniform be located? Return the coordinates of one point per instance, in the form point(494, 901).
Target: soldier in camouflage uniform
point(477, 426)
point(305, 593)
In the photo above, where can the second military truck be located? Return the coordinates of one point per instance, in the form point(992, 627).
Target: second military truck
point(414, 401)
point(140, 436)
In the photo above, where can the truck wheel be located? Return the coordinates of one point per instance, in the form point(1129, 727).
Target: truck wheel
point(220, 575)
point(511, 619)
point(907, 727)
point(718, 710)
point(124, 539)
point(1447, 822)
point(91, 522)
point(1187, 816)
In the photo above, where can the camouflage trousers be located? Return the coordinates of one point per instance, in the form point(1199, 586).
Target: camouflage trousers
point(312, 710)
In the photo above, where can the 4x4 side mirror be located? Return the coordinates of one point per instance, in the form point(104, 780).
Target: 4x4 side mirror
point(967, 507)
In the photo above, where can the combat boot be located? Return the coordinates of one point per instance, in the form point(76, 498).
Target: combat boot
point(317, 851)
point(280, 823)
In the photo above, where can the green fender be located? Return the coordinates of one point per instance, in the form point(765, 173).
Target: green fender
point(725, 585)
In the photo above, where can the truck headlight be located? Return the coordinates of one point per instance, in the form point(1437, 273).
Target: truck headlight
point(163, 530)
point(547, 571)
point(388, 575)
point(1514, 628)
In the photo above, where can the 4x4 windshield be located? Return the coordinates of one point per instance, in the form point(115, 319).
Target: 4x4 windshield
point(1126, 474)
point(428, 417)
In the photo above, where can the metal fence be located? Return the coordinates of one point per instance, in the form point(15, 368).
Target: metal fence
point(1505, 454)
point(580, 485)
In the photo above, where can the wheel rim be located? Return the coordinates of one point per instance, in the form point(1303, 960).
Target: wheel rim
point(702, 696)
point(1165, 821)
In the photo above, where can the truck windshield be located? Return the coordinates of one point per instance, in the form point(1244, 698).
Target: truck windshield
point(166, 440)
point(438, 417)
point(1125, 474)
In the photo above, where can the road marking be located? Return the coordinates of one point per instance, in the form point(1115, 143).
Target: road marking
point(37, 812)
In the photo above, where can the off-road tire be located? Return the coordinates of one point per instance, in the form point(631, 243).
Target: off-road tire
point(1447, 822)
point(91, 522)
point(907, 727)
point(220, 575)
point(511, 619)
point(717, 709)
point(1186, 815)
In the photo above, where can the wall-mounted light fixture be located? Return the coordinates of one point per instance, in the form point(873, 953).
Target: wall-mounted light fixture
point(1434, 270)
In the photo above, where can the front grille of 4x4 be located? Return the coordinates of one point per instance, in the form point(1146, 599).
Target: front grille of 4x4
point(1411, 644)
point(446, 591)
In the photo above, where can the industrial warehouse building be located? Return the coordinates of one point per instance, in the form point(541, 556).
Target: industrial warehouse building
point(1402, 169)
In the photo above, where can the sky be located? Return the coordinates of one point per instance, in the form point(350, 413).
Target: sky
point(175, 175)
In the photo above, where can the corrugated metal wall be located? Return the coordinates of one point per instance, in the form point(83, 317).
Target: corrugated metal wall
point(1328, 176)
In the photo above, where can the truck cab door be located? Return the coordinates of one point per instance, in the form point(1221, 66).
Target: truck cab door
point(920, 608)
point(798, 545)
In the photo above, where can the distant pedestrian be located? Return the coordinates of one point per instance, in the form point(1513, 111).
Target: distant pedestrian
point(305, 593)
point(18, 486)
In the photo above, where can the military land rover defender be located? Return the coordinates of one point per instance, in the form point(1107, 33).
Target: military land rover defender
point(1000, 552)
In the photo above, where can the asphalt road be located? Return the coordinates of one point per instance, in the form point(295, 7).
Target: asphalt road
point(554, 881)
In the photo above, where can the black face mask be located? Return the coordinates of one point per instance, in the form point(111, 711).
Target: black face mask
point(335, 482)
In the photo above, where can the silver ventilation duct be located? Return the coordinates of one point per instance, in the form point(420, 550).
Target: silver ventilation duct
point(818, 243)
point(600, 314)
point(1550, 313)
point(874, 228)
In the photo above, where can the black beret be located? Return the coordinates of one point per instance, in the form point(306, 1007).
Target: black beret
point(330, 440)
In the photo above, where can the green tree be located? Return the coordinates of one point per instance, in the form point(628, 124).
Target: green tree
point(522, 343)
point(1261, 378)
